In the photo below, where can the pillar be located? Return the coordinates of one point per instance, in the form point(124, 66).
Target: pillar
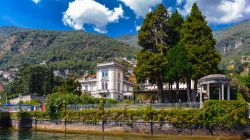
point(222, 91)
point(228, 91)
point(219, 93)
point(201, 95)
point(208, 91)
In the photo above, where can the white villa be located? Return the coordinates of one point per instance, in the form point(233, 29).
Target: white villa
point(108, 82)
point(111, 82)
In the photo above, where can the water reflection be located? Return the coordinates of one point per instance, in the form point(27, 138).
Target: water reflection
point(38, 135)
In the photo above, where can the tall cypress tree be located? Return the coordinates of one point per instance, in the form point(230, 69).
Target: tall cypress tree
point(199, 42)
point(175, 22)
point(154, 38)
point(178, 66)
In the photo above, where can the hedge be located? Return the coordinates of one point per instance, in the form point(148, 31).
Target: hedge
point(56, 102)
point(214, 114)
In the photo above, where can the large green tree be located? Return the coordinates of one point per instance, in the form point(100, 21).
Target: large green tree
point(199, 42)
point(33, 79)
point(154, 38)
point(175, 22)
point(179, 66)
point(70, 85)
point(173, 71)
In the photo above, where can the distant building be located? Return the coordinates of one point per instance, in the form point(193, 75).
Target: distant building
point(25, 98)
point(108, 82)
point(61, 73)
point(166, 86)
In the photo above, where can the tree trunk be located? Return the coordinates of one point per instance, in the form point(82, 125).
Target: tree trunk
point(160, 91)
point(188, 90)
point(195, 91)
point(177, 91)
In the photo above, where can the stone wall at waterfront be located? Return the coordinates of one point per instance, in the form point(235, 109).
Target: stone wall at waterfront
point(114, 127)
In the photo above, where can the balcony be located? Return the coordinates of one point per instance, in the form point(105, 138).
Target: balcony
point(104, 91)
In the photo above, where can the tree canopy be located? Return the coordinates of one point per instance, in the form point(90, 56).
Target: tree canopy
point(198, 39)
point(33, 79)
point(199, 42)
point(154, 37)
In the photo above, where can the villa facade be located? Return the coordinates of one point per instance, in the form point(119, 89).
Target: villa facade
point(108, 82)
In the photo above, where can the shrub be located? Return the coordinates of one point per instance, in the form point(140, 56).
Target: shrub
point(57, 102)
point(225, 114)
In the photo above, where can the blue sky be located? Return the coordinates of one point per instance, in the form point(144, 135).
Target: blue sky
point(112, 17)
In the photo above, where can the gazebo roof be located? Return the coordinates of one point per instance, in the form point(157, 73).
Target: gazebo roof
point(214, 78)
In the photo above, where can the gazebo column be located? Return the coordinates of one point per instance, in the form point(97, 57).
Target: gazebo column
point(208, 91)
point(222, 91)
point(201, 104)
point(219, 93)
point(201, 95)
point(221, 82)
point(228, 91)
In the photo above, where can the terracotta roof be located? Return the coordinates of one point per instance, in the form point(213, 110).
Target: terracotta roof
point(88, 76)
point(91, 76)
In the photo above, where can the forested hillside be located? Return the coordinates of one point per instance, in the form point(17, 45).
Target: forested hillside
point(73, 50)
point(78, 50)
point(233, 42)
point(132, 40)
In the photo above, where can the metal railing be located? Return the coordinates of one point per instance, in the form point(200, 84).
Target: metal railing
point(249, 110)
point(136, 106)
point(18, 108)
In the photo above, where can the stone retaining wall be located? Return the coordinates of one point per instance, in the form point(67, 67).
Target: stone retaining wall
point(114, 127)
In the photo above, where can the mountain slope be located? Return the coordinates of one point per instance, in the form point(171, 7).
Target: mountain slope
point(73, 50)
point(8, 30)
point(233, 42)
point(131, 39)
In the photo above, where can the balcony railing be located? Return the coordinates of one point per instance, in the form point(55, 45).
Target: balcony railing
point(100, 91)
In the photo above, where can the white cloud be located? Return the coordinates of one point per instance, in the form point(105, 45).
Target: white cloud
point(179, 2)
point(141, 7)
point(82, 12)
point(36, 1)
point(220, 11)
point(185, 10)
point(137, 27)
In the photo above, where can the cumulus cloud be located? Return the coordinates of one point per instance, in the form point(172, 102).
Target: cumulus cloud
point(36, 1)
point(179, 2)
point(137, 27)
point(220, 11)
point(82, 12)
point(141, 7)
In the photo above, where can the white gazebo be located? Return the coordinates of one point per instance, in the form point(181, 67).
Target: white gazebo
point(216, 80)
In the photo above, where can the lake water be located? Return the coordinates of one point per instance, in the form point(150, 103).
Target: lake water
point(39, 135)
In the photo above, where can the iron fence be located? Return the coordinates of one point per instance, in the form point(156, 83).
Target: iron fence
point(136, 106)
point(19, 107)
point(249, 110)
